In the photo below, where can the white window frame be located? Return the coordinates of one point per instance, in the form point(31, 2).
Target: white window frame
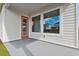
point(59, 23)
point(41, 25)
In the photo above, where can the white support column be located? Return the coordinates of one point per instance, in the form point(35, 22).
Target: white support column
point(77, 25)
point(2, 23)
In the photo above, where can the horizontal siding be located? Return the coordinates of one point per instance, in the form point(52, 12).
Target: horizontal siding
point(36, 35)
point(69, 23)
point(69, 15)
point(69, 18)
point(67, 37)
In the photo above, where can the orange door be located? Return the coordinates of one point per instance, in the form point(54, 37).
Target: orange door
point(24, 34)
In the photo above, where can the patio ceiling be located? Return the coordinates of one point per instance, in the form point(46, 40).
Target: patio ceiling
point(28, 8)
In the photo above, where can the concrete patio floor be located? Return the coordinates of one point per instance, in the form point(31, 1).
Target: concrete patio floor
point(33, 47)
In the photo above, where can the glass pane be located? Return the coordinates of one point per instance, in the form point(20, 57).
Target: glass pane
point(51, 22)
point(36, 24)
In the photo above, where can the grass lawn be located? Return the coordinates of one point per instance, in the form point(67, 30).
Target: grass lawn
point(3, 50)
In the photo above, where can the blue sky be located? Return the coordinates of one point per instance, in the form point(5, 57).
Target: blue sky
point(51, 21)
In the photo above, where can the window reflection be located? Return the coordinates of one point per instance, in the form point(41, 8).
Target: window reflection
point(51, 22)
point(36, 24)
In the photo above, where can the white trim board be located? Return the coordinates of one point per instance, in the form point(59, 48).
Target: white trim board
point(77, 25)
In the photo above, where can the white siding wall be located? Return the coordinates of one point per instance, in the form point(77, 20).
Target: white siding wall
point(68, 36)
point(69, 23)
point(10, 25)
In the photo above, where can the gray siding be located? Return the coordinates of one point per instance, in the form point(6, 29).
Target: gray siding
point(69, 22)
point(68, 28)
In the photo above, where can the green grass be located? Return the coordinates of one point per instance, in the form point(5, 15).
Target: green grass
point(3, 50)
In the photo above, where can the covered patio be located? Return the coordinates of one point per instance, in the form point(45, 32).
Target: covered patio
point(34, 47)
point(39, 29)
